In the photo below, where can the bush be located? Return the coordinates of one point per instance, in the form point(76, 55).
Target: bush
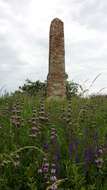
point(39, 88)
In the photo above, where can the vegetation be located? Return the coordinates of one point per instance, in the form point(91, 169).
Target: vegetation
point(34, 88)
point(39, 88)
point(51, 144)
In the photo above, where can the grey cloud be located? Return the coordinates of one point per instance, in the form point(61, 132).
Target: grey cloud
point(10, 67)
point(93, 14)
point(24, 40)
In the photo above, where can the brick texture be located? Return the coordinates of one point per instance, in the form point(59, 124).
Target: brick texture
point(56, 77)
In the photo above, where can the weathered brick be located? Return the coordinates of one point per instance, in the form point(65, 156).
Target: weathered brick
point(56, 77)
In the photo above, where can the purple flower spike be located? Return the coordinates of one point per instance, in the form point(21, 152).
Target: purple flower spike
point(45, 167)
point(46, 146)
point(89, 155)
point(46, 164)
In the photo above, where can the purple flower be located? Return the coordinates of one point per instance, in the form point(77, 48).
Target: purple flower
point(46, 146)
point(89, 155)
point(46, 164)
point(45, 167)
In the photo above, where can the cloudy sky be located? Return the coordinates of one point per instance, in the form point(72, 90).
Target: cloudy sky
point(24, 33)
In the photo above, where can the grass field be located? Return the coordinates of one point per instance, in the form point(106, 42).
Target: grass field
point(53, 144)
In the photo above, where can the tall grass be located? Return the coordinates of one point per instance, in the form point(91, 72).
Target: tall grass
point(53, 144)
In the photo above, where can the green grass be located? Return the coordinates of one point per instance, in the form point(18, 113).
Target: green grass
point(81, 131)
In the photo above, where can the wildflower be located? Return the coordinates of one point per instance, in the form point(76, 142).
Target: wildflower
point(42, 113)
point(34, 129)
point(45, 167)
point(40, 171)
point(89, 155)
point(53, 136)
point(16, 119)
point(53, 129)
point(53, 187)
point(45, 159)
point(33, 135)
point(53, 133)
point(45, 146)
point(99, 162)
point(53, 178)
point(53, 165)
point(100, 151)
point(46, 164)
point(16, 163)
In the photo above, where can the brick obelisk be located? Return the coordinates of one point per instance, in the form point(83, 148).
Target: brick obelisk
point(56, 78)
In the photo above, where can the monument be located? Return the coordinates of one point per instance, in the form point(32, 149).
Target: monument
point(56, 78)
